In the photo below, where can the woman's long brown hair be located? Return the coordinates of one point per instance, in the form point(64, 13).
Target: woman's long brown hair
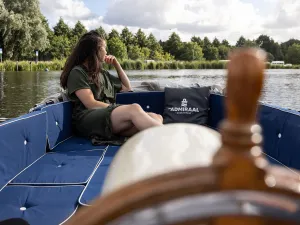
point(87, 49)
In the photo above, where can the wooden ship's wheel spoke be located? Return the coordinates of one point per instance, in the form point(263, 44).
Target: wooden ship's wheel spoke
point(238, 187)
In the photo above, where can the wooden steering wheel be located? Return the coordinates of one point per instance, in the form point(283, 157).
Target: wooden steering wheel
point(239, 187)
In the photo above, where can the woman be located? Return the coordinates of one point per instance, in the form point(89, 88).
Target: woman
point(93, 89)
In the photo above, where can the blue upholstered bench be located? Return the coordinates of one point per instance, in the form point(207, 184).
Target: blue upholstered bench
point(22, 146)
point(46, 172)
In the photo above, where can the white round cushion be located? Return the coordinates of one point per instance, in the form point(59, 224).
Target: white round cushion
point(160, 150)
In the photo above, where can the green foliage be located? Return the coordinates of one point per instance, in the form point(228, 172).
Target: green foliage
point(79, 30)
point(54, 65)
point(141, 39)
point(135, 52)
point(57, 65)
point(21, 30)
point(113, 34)
point(127, 37)
point(62, 29)
point(191, 51)
point(174, 45)
point(102, 33)
point(117, 48)
point(223, 52)
point(293, 54)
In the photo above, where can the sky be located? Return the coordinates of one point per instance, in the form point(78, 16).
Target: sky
point(224, 19)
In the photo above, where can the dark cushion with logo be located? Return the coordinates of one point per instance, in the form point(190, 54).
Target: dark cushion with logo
point(186, 105)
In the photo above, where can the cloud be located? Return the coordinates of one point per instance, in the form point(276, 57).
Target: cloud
point(70, 10)
point(283, 24)
point(224, 19)
point(189, 16)
point(287, 15)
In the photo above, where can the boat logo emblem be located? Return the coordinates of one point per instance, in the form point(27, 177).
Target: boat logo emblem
point(184, 109)
point(184, 103)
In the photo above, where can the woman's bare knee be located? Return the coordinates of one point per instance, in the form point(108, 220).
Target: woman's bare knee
point(157, 117)
point(135, 110)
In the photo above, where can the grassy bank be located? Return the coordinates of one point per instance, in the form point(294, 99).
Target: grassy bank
point(127, 65)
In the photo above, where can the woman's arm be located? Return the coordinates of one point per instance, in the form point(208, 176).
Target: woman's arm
point(126, 86)
point(87, 98)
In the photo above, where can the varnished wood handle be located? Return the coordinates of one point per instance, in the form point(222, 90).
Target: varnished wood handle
point(244, 84)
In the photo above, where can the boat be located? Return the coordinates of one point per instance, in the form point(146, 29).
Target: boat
point(241, 167)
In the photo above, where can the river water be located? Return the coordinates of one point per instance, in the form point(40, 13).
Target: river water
point(20, 91)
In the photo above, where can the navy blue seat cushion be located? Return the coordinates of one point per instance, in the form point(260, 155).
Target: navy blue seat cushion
point(272, 121)
point(61, 169)
point(216, 110)
point(150, 101)
point(94, 187)
point(75, 143)
point(39, 205)
point(289, 142)
point(59, 117)
point(22, 142)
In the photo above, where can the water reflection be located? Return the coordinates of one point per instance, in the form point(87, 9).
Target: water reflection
point(20, 91)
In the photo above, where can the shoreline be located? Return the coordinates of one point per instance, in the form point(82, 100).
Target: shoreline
point(57, 65)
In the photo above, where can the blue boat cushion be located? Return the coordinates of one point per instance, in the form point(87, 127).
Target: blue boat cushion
point(289, 142)
point(77, 144)
point(149, 101)
point(39, 205)
point(186, 105)
point(61, 169)
point(216, 111)
point(272, 121)
point(94, 187)
point(22, 142)
point(59, 122)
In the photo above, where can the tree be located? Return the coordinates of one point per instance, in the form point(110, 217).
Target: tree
point(174, 45)
point(223, 52)
point(198, 41)
point(270, 57)
point(46, 54)
point(285, 46)
point(293, 54)
point(3, 23)
point(191, 51)
point(206, 42)
point(22, 29)
point(127, 37)
point(153, 44)
point(141, 38)
point(225, 43)
point(146, 53)
point(79, 30)
point(102, 32)
point(62, 29)
point(216, 43)
point(117, 48)
point(241, 42)
point(270, 46)
point(60, 47)
point(211, 52)
point(135, 52)
point(114, 34)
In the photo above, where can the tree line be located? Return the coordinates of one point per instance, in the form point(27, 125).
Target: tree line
point(24, 30)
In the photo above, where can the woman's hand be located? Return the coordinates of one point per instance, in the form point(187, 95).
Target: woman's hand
point(110, 59)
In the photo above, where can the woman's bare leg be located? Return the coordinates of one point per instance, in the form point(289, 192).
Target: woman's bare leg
point(123, 116)
point(130, 132)
point(133, 130)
